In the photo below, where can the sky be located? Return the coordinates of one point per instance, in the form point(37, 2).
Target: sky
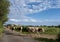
point(34, 12)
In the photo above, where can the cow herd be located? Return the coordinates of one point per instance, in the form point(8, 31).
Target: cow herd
point(29, 29)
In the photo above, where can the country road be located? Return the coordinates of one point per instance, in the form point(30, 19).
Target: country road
point(8, 36)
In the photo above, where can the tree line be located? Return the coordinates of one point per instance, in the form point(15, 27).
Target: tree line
point(4, 10)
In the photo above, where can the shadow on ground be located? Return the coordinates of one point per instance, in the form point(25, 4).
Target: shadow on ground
point(49, 40)
point(45, 40)
point(58, 39)
point(11, 33)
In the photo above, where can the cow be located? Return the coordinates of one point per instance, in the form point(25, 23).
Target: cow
point(19, 28)
point(41, 30)
point(35, 29)
point(31, 29)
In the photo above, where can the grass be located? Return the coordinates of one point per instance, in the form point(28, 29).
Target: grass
point(54, 31)
point(25, 33)
point(1, 30)
point(49, 40)
point(51, 30)
point(46, 40)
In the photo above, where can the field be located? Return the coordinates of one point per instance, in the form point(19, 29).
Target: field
point(48, 35)
point(51, 30)
point(46, 40)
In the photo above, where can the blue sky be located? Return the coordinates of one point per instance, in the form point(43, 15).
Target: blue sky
point(34, 12)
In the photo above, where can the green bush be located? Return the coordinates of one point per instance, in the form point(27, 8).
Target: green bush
point(1, 30)
point(25, 30)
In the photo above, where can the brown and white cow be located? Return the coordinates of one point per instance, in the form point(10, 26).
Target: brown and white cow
point(35, 29)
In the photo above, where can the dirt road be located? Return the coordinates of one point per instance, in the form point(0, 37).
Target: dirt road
point(8, 36)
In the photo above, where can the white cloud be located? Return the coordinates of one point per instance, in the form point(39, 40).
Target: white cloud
point(32, 0)
point(19, 9)
point(33, 20)
point(14, 20)
point(23, 20)
point(47, 20)
point(22, 7)
point(30, 20)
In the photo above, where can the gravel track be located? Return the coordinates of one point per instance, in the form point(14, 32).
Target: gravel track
point(9, 36)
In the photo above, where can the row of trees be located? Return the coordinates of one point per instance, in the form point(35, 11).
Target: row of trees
point(58, 26)
point(4, 10)
point(42, 26)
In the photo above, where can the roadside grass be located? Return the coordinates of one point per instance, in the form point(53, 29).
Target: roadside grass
point(52, 31)
point(49, 40)
point(1, 30)
point(25, 33)
point(45, 40)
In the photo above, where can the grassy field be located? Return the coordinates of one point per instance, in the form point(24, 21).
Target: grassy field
point(51, 31)
point(46, 40)
point(49, 40)
point(1, 30)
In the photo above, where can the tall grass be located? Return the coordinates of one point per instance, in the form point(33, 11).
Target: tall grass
point(51, 30)
point(49, 40)
point(1, 29)
point(46, 40)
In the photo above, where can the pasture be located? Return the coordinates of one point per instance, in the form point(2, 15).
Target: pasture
point(51, 31)
point(34, 29)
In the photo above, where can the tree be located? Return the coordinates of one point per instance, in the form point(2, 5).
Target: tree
point(4, 10)
point(58, 26)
